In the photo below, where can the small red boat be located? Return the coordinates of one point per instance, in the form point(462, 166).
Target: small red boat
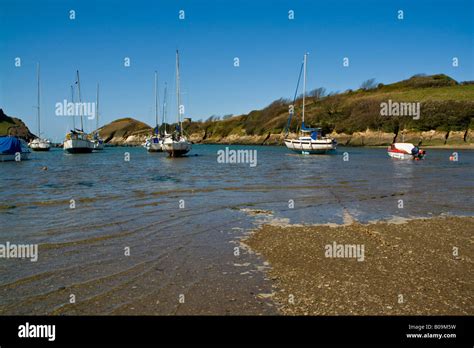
point(405, 151)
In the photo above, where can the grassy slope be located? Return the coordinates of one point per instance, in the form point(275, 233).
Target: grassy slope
point(445, 105)
point(13, 126)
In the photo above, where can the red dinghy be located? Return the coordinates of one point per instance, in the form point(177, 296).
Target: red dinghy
point(405, 151)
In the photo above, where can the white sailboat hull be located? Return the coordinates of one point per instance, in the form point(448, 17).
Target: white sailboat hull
point(176, 148)
point(154, 146)
point(307, 145)
point(78, 146)
point(40, 145)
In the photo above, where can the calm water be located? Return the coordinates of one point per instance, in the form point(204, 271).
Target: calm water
point(190, 251)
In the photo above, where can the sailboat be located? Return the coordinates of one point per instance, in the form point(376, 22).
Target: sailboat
point(98, 142)
point(311, 140)
point(177, 144)
point(164, 113)
point(77, 140)
point(154, 143)
point(39, 144)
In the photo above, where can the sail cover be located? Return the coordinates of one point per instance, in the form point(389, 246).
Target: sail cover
point(308, 129)
point(10, 145)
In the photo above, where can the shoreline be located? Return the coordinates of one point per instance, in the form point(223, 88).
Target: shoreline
point(408, 268)
point(442, 147)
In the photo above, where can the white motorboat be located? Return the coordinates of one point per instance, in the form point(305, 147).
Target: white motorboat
point(405, 151)
point(177, 144)
point(39, 144)
point(311, 140)
point(13, 149)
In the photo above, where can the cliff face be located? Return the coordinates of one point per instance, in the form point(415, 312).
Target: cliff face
point(14, 126)
point(125, 131)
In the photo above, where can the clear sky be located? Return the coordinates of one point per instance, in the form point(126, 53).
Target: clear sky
point(269, 45)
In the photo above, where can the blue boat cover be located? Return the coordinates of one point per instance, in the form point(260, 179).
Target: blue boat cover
point(314, 134)
point(10, 145)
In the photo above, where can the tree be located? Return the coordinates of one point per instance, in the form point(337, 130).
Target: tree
point(419, 75)
point(368, 84)
point(213, 118)
point(318, 93)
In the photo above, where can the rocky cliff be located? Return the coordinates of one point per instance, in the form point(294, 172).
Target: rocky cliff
point(14, 126)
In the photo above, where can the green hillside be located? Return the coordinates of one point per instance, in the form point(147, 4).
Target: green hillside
point(445, 105)
point(14, 126)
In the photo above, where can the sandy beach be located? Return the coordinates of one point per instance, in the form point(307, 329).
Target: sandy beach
point(415, 267)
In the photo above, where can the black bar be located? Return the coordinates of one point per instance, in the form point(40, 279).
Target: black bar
point(343, 330)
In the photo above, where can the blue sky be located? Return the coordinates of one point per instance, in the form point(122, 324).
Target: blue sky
point(269, 45)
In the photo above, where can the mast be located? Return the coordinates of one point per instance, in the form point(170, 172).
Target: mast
point(304, 82)
point(80, 100)
point(38, 76)
point(97, 109)
point(178, 97)
point(72, 101)
point(164, 106)
point(156, 100)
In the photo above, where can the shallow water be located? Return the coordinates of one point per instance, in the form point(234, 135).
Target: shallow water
point(190, 250)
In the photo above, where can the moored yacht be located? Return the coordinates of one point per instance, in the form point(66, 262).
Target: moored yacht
point(176, 144)
point(77, 141)
point(315, 143)
point(96, 139)
point(311, 140)
point(155, 143)
point(39, 144)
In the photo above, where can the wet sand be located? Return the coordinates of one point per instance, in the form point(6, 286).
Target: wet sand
point(408, 267)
